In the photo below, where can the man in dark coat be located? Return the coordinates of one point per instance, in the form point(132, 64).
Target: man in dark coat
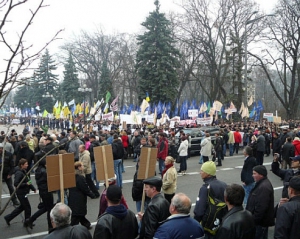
point(237, 223)
point(288, 214)
point(246, 173)
point(8, 171)
point(157, 210)
point(26, 153)
point(286, 174)
point(261, 202)
point(260, 148)
point(118, 154)
point(288, 150)
point(94, 143)
point(117, 222)
point(276, 145)
point(78, 198)
point(61, 218)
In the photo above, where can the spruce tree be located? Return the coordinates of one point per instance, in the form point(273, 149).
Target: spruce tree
point(45, 81)
point(70, 84)
point(105, 83)
point(157, 59)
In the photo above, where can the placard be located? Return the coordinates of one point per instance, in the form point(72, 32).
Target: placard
point(147, 163)
point(104, 161)
point(193, 113)
point(204, 121)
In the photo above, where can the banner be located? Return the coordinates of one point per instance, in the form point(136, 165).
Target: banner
point(204, 121)
point(192, 113)
point(109, 116)
point(269, 116)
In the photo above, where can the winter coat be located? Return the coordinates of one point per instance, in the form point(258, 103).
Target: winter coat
point(285, 175)
point(137, 189)
point(9, 165)
point(261, 203)
point(178, 227)
point(206, 146)
point(218, 188)
point(276, 146)
point(25, 153)
point(287, 220)
point(169, 181)
point(41, 176)
point(237, 223)
point(246, 173)
point(157, 211)
point(287, 151)
point(118, 149)
point(78, 196)
point(183, 148)
point(125, 141)
point(24, 187)
point(296, 144)
point(69, 232)
point(91, 149)
point(74, 147)
point(237, 137)
point(84, 157)
point(117, 222)
point(261, 144)
point(163, 149)
point(230, 138)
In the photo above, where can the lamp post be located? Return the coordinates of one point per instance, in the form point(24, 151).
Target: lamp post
point(249, 21)
point(47, 95)
point(84, 89)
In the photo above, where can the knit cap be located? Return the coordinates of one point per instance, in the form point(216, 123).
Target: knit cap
point(260, 169)
point(209, 167)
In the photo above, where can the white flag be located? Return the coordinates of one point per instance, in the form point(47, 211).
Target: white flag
point(72, 102)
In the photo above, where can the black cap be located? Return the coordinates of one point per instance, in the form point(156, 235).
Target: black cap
point(260, 169)
point(63, 133)
point(49, 138)
point(154, 181)
point(92, 136)
point(295, 183)
point(114, 193)
point(295, 158)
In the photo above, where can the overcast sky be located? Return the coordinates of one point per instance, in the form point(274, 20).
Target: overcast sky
point(74, 15)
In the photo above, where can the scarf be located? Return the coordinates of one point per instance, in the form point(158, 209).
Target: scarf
point(166, 169)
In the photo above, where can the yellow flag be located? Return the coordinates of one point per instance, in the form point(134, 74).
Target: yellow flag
point(45, 113)
point(86, 110)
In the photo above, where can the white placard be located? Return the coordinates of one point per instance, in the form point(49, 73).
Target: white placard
point(204, 121)
point(193, 113)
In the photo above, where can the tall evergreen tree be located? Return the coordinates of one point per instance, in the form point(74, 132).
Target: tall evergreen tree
point(45, 81)
point(157, 59)
point(105, 83)
point(70, 84)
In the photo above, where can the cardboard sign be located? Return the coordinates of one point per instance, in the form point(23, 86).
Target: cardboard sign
point(108, 116)
point(104, 161)
point(277, 120)
point(60, 172)
point(124, 125)
point(147, 163)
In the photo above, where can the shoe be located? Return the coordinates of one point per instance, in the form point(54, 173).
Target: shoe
point(28, 223)
point(7, 221)
point(184, 172)
point(219, 165)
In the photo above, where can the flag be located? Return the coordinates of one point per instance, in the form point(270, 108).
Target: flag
point(155, 116)
point(147, 97)
point(99, 103)
point(168, 108)
point(217, 105)
point(72, 102)
point(37, 108)
point(250, 101)
point(204, 107)
point(66, 111)
point(232, 107)
point(106, 108)
point(114, 104)
point(56, 104)
point(144, 106)
point(242, 108)
point(107, 97)
point(253, 112)
point(45, 113)
point(176, 108)
point(86, 109)
point(245, 112)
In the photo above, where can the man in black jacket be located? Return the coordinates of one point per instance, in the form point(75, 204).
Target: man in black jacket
point(237, 223)
point(246, 173)
point(118, 154)
point(288, 214)
point(288, 150)
point(94, 143)
point(261, 202)
point(157, 210)
point(117, 221)
point(8, 171)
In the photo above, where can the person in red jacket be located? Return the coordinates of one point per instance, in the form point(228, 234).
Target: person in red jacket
point(237, 140)
point(162, 151)
point(125, 143)
point(296, 143)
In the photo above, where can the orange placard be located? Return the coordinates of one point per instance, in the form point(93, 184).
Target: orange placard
point(147, 163)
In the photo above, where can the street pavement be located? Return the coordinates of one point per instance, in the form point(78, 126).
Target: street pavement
point(188, 184)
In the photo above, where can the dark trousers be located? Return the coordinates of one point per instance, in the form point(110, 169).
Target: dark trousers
point(9, 184)
point(75, 220)
point(183, 164)
point(169, 197)
point(24, 206)
point(261, 232)
point(260, 157)
point(205, 159)
point(90, 183)
point(219, 156)
point(236, 147)
point(48, 200)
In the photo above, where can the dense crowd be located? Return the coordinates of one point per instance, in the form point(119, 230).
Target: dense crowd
point(166, 213)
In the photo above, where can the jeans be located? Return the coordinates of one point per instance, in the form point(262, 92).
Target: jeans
point(224, 149)
point(261, 232)
point(248, 189)
point(219, 156)
point(94, 178)
point(161, 165)
point(201, 159)
point(183, 165)
point(236, 147)
point(118, 171)
point(230, 149)
point(65, 197)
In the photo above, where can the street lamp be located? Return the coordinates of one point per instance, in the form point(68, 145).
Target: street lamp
point(47, 95)
point(249, 21)
point(84, 89)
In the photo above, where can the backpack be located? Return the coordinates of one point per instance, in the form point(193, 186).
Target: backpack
point(215, 211)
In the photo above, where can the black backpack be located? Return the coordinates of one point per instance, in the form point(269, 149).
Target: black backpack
point(215, 211)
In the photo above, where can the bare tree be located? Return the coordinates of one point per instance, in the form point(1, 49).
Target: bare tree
point(17, 57)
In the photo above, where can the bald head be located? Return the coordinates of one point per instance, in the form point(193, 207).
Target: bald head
point(180, 203)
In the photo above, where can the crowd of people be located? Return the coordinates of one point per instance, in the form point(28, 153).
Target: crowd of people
point(249, 205)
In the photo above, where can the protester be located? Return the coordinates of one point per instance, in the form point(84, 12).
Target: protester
point(183, 154)
point(118, 154)
point(162, 151)
point(169, 178)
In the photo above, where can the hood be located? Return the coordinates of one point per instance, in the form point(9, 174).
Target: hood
point(118, 211)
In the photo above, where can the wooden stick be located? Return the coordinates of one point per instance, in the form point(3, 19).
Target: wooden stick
point(61, 179)
point(105, 167)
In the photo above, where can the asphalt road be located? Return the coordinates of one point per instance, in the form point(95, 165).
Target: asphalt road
point(188, 184)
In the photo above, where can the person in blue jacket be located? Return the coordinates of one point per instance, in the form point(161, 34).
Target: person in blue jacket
point(180, 225)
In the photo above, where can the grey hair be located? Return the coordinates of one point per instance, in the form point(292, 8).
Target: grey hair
point(61, 215)
point(182, 203)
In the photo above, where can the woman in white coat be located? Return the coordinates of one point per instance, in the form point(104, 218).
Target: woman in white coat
point(206, 147)
point(183, 154)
